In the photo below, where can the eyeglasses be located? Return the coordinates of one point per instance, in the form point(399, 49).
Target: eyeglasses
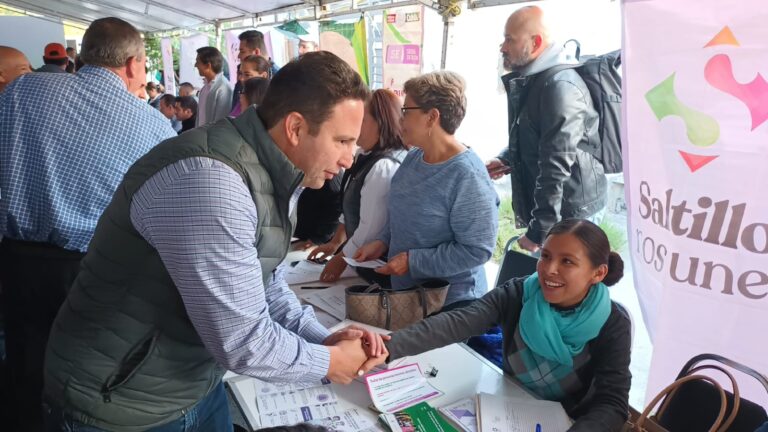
point(405, 109)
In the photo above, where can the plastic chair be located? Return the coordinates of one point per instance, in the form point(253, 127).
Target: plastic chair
point(515, 264)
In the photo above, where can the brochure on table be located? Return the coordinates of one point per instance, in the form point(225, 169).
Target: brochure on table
point(398, 388)
point(418, 418)
point(462, 414)
point(291, 403)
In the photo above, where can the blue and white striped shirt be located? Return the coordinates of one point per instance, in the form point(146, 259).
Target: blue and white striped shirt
point(199, 215)
point(66, 140)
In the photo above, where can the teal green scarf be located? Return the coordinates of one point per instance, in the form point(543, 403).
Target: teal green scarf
point(560, 336)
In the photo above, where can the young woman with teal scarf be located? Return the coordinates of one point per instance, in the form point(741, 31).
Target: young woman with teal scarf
point(564, 339)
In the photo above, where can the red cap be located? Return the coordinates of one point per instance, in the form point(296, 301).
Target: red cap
point(55, 51)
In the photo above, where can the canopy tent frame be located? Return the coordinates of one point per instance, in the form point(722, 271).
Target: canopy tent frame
point(153, 25)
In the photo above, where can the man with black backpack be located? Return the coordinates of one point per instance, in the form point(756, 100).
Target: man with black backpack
point(553, 124)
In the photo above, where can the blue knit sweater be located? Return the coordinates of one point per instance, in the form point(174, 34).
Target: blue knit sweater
point(446, 216)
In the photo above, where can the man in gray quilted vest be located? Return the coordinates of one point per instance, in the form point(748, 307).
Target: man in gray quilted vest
point(183, 280)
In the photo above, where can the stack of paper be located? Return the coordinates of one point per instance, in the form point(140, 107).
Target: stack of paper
point(501, 414)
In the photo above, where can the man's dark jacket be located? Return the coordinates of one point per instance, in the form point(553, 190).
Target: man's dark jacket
point(552, 178)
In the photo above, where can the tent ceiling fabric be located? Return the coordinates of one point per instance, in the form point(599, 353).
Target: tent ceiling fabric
point(153, 15)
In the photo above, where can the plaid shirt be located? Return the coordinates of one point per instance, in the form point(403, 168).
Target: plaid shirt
point(65, 142)
point(201, 218)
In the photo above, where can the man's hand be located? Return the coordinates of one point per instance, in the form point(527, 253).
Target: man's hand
point(527, 244)
point(333, 269)
point(373, 343)
point(347, 358)
point(397, 266)
point(370, 251)
point(497, 169)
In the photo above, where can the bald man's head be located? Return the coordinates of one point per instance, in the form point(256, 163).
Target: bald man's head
point(525, 37)
point(13, 64)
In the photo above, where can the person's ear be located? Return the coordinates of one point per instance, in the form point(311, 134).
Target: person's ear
point(434, 117)
point(257, 52)
point(600, 273)
point(538, 42)
point(132, 67)
point(293, 124)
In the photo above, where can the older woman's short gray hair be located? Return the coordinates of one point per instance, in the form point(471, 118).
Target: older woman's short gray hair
point(442, 90)
point(110, 42)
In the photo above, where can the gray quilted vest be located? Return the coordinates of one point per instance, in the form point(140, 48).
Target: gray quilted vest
point(123, 354)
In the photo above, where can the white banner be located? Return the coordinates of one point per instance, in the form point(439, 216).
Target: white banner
point(233, 47)
point(696, 106)
point(187, 70)
point(168, 75)
point(403, 30)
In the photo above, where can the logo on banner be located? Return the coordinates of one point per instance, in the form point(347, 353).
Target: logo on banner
point(702, 129)
point(705, 220)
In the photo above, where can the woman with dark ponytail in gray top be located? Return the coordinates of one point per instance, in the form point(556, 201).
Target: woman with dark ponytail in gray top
point(563, 337)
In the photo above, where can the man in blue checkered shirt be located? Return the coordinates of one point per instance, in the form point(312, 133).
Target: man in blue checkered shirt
point(60, 164)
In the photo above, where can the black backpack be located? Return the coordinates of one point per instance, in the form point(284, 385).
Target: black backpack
point(602, 77)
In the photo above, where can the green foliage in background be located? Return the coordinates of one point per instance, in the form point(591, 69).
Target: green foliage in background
point(155, 54)
point(617, 235)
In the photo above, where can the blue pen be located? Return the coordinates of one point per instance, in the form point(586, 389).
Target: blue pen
point(538, 427)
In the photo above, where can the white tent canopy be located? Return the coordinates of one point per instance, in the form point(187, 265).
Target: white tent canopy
point(157, 15)
point(151, 16)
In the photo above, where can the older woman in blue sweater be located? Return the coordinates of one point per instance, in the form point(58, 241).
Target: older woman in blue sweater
point(443, 210)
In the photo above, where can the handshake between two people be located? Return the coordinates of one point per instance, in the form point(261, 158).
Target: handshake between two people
point(354, 352)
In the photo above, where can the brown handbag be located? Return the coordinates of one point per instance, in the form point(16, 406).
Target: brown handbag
point(395, 309)
point(644, 422)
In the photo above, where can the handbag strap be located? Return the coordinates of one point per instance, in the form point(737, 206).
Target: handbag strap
point(736, 396)
point(423, 300)
point(672, 387)
point(387, 305)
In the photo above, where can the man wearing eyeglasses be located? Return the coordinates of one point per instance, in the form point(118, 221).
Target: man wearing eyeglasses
point(552, 178)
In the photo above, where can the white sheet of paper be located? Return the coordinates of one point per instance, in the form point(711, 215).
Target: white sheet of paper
point(399, 388)
point(501, 414)
point(307, 271)
point(326, 319)
point(365, 264)
point(331, 300)
point(348, 421)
